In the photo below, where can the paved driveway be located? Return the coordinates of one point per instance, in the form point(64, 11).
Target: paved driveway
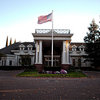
point(28, 88)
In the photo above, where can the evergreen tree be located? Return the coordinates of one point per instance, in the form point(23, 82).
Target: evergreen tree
point(92, 41)
point(15, 41)
point(7, 41)
point(10, 41)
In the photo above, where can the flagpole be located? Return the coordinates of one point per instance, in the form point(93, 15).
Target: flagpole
point(52, 42)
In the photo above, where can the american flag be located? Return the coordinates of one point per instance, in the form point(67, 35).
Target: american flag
point(46, 18)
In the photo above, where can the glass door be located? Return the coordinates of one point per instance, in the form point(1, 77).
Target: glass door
point(56, 61)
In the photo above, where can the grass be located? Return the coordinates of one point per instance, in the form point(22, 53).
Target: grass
point(36, 74)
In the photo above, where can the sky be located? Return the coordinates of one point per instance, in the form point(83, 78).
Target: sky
point(18, 18)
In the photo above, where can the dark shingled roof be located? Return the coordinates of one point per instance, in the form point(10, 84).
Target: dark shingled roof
point(15, 46)
point(7, 50)
point(78, 43)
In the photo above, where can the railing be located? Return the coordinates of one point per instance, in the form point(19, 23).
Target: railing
point(58, 31)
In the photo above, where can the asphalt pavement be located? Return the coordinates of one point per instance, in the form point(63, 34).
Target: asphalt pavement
point(28, 88)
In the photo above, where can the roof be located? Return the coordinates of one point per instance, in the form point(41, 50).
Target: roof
point(48, 33)
point(77, 43)
point(15, 46)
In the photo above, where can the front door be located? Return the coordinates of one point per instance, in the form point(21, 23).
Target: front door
point(47, 61)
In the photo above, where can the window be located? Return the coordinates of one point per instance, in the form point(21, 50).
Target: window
point(79, 62)
point(29, 47)
point(19, 61)
point(2, 62)
point(10, 62)
point(22, 47)
point(25, 60)
point(73, 62)
point(56, 61)
point(81, 48)
point(74, 48)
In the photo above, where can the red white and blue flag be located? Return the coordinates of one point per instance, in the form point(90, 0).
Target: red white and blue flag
point(44, 19)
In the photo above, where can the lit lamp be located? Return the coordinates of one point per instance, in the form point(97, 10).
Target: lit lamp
point(66, 44)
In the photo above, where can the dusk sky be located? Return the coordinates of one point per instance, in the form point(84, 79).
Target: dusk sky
point(18, 18)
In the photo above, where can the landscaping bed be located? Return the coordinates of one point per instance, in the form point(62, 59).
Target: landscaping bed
point(32, 73)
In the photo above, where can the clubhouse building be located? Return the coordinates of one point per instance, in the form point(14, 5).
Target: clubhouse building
point(39, 52)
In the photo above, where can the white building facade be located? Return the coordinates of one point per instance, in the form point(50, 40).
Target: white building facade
point(38, 53)
point(18, 54)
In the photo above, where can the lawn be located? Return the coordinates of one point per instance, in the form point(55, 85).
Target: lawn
point(36, 74)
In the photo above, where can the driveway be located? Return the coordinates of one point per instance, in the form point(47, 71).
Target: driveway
point(28, 88)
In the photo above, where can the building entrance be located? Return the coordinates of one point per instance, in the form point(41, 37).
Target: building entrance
point(47, 61)
point(57, 50)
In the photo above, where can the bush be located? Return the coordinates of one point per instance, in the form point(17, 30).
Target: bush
point(71, 69)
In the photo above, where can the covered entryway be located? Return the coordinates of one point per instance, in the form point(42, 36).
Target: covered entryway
point(56, 61)
point(43, 44)
point(56, 53)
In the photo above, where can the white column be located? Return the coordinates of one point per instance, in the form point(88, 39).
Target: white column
point(40, 52)
point(64, 53)
point(36, 52)
point(67, 50)
point(32, 60)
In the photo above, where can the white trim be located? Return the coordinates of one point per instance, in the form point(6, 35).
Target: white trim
point(54, 38)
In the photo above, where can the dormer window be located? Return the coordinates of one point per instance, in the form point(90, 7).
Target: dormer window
point(21, 47)
point(74, 48)
point(29, 47)
point(81, 47)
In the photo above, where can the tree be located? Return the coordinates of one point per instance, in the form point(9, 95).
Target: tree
point(92, 41)
point(15, 41)
point(10, 41)
point(7, 41)
point(25, 60)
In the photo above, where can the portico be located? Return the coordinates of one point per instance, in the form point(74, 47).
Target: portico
point(61, 41)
